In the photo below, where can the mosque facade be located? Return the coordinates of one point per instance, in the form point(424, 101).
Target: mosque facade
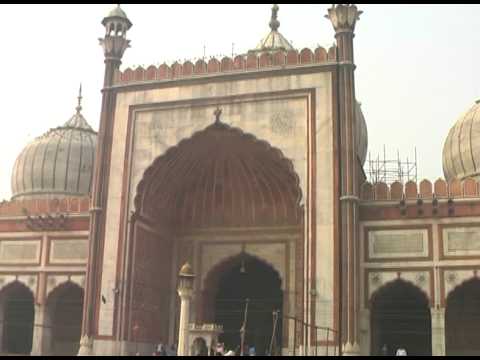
point(230, 194)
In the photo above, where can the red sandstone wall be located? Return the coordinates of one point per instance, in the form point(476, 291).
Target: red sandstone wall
point(240, 63)
point(44, 206)
point(468, 188)
point(150, 286)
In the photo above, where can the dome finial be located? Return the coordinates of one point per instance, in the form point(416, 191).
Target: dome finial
point(274, 23)
point(79, 106)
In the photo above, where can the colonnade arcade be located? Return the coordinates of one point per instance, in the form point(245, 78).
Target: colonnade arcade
point(401, 315)
point(51, 327)
point(229, 204)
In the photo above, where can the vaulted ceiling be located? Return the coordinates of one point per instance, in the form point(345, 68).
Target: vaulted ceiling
point(220, 177)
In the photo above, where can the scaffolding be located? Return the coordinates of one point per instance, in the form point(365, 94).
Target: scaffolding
point(391, 170)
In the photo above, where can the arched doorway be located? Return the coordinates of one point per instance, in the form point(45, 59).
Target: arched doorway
point(65, 306)
point(400, 317)
point(238, 279)
point(219, 179)
point(18, 319)
point(462, 320)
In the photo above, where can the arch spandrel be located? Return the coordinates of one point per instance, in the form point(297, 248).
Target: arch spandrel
point(281, 123)
point(54, 289)
point(378, 282)
point(454, 279)
point(28, 281)
point(56, 281)
point(214, 268)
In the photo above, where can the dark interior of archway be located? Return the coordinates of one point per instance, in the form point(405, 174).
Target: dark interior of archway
point(400, 317)
point(18, 317)
point(262, 286)
point(462, 320)
point(67, 320)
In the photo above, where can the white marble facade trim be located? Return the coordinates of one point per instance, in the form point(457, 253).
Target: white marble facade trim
point(247, 118)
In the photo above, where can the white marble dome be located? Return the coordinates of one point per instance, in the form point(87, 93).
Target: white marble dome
point(58, 163)
point(361, 139)
point(461, 151)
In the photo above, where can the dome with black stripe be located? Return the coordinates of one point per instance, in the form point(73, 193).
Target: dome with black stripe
point(58, 163)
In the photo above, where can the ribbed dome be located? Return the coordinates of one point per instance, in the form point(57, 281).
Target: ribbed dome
point(58, 163)
point(461, 151)
point(362, 134)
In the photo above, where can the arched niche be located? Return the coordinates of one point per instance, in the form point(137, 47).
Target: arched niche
point(64, 318)
point(228, 288)
point(400, 317)
point(462, 319)
point(17, 312)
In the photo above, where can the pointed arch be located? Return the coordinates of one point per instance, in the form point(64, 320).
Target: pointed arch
point(198, 169)
point(400, 317)
point(462, 319)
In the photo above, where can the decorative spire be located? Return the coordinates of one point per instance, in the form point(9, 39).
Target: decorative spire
point(274, 23)
point(79, 106)
point(217, 113)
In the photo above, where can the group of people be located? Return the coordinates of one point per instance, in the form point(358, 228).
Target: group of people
point(400, 351)
point(162, 350)
point(220, 350)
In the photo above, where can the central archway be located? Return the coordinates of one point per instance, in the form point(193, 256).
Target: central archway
point(219, 180)
point(232, 283)
point(400, 317)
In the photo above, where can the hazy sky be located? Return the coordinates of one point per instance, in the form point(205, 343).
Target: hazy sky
point(416, 64)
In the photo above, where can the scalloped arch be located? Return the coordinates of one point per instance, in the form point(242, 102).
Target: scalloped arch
point(389, 284)
point(17, 282)
point(452, 291)
point(230, 261)
point(58, 287)
point(221, 176)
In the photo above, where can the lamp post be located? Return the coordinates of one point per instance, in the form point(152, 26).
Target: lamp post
point(136, 327)
point(185, 291)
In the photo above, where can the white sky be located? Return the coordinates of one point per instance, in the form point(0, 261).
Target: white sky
point(416, 64)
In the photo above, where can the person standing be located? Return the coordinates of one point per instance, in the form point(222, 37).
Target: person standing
point(384, 350)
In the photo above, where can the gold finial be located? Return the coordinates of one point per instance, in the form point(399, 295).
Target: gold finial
point(217, 113)
point(274, 23)
point(79, 106)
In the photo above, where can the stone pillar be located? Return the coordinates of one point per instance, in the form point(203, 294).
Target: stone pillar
point(185, 291)
point(185, 298)
point(438, 331)
point(42, 332)
point(114, 44)
point(343, 18)
point(364, 337)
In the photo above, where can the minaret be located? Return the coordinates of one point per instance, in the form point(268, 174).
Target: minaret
point(343, 18)
point(114, 44)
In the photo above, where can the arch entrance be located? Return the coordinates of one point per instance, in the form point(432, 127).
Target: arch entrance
point(223, 183)
point(462, 320)
point(400, 317)
point(231, 284)
point(18, 316)
point(65, 305)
